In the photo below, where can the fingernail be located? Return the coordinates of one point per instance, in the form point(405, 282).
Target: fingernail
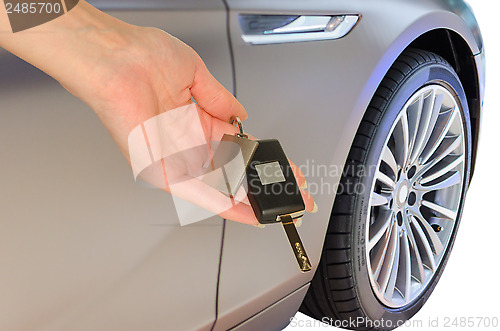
point(298, 222)
point(260, 226)
point(315, 208)
point(207, 163)
point(304, 186)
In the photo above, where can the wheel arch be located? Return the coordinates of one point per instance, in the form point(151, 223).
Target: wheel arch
point(454, 48)
point(457, 40)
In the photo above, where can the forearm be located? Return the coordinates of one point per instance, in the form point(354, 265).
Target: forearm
point(68, 47)
point(125, 73)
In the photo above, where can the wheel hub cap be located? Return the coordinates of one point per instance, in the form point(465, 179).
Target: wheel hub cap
point(402, 194)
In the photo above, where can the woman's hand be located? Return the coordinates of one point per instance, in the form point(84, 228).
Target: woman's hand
point(129, 74)
point(151, 73)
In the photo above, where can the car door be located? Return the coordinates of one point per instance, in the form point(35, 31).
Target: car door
point(82, 246)
point(302, 93)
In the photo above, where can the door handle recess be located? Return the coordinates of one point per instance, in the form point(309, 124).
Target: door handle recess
point(276, 29)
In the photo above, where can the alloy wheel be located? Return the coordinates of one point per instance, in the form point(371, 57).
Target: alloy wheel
point(415, 196)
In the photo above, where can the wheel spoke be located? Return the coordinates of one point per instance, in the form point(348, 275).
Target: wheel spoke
point(447, 147)
point(403, 282)
point(425, 118)
point(430, 234)
point(416, 263)
point(389, 159)
point(440, 131)
point(378, 230)
point(391, 284)
point(450, 181)
point(414, 113)
point(386, 180)
point(378, 200)
point(450, 163)
point(378, 259)
point(447, 213)
point(422, 239)
point(389, 260)
point(402, 136)
point(436, 107)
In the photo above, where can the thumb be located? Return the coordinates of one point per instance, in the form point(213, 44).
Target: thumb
point(213, 97)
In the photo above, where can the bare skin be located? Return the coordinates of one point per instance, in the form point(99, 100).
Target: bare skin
point(110, 65)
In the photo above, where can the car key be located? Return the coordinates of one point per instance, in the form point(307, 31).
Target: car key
point(275, 195)
point(273, 191)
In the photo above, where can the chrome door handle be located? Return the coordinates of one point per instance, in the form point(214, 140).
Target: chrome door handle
point(275, 29)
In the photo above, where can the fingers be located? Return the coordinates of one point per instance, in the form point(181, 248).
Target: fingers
point(213, 97)
point(301, 181)
point(197, 192)
point(308, 201)
point(299, 176)
point(219, 128)
point(241, 213)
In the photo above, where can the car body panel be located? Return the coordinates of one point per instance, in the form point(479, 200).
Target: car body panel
point(82, 246)
point(312, 96)
point(286, 306)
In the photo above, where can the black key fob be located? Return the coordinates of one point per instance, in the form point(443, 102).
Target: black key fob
point(272, 188)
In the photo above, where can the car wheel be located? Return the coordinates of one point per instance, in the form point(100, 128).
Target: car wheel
point(398, 206)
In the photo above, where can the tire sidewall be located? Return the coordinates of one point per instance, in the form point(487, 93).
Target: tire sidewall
point(429, 73)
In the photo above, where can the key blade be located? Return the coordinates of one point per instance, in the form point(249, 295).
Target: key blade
point(296, 243)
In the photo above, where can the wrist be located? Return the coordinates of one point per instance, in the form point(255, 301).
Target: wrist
point(90, 26)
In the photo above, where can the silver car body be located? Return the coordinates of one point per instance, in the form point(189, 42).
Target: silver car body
point(84, 248)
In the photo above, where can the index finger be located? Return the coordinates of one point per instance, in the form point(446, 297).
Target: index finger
point(214, 98)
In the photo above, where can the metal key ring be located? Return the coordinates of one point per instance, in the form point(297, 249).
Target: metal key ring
point(236, 119)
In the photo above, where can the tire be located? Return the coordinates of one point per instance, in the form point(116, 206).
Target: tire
point(351, 288)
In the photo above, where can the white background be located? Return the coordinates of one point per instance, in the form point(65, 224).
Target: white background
point(470, 285)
